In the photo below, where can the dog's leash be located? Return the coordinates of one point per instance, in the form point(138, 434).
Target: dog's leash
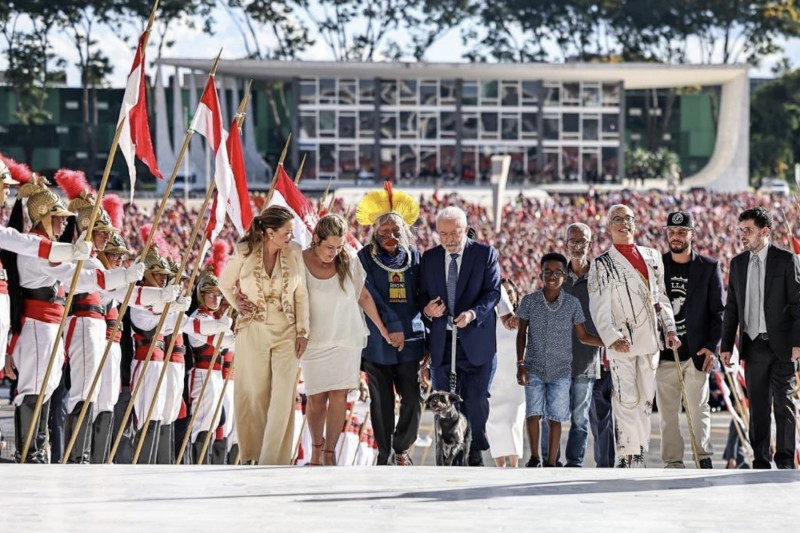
point(453, 378)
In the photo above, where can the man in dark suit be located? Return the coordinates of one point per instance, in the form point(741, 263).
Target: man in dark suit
point(460, 283)
point(694, 286)
point(764, 304)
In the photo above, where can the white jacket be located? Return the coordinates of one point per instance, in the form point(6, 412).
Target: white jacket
point(622, 304)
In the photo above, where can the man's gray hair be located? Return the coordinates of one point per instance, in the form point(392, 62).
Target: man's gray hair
point(451, 212)
point(613, 209)
point(579, 226)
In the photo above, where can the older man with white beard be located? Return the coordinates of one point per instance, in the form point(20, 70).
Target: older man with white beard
point(631, 311)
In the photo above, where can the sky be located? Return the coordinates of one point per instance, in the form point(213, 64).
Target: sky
point(195, 44)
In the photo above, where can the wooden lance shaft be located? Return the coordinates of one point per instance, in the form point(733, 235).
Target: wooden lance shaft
point(218, 407)
point(686, 407)
point(177, 328)
point(214, 357)
point(76, 276)
point(360, 434)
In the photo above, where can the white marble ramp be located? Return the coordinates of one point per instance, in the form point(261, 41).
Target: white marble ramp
point(381, 499)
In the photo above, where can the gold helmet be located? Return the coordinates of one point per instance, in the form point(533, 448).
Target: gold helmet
point(206, 282)
point(115, 245)
point(155, 264)
point(83, 206)
point(43, 204)
point(175, 269)
point(5, 174)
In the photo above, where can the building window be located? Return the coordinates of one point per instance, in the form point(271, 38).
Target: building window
point(552, 94)
point(347, 92)
point(366, 91)
point(610, 164)
point(447, 92)
point(468, 165)
point(469, 93)
point(308, 126)
point(428, 125)
point(408, 161)
point(532, 157)
point(570, 126)
point(591, 95)
point(591, 127)
point(347, 125)
point(347, 162)
point(551, 171)
point(611, 94)
point(366, 158)
point(388, 124)
point(389, 92)
point(447, 160)
point(489, 125)
point(530, 126)
point(327, 160)
point(448, 125)
point(408, 92)
point(572, 94)
point(309, 151)
point(366, 124)
point(308, 92)
point(590, 166)
point(489, 93)
point(510, 95)
point(510, 127)
point(551, 127)
point(427, 162)
point(408, 125)
point(429, 93)
point(388, 162)
point(327, 91)
point(530, 93)
point(569, 163)
point(327, 123)
point(610, 126)
point(470, 125)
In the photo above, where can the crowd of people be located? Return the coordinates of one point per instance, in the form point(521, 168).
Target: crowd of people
point(420, 306)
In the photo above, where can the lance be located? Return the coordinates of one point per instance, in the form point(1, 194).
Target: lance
point(218, 407)
point(78, 267)
point(740, 409)
point(360, 434)
point(686, 406)
point(177, 329)
point(148, 243)
point(280, 163)
point(324, 199)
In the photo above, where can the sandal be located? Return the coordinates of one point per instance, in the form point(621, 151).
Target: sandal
point(320, 445)
point(333, 453)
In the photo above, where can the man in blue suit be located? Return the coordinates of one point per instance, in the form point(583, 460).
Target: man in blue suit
point(460, 280)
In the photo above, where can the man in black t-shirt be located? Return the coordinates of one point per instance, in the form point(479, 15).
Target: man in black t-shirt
point(694, 287)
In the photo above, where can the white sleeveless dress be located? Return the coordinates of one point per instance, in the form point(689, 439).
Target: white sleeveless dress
point(338, 332)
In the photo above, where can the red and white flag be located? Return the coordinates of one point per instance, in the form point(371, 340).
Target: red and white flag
point(289, 196)
point(134, 139)
point(238, 208)
point(207, 122)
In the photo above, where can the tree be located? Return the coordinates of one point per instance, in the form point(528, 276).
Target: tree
point(290, 36)
point(775, 127)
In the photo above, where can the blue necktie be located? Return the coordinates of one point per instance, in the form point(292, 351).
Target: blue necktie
point(452, 281)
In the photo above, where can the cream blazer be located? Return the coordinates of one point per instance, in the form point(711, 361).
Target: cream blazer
point(246, 275)
point(623, 305)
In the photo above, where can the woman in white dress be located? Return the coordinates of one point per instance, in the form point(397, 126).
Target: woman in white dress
point(331, 363)
point(506, 399)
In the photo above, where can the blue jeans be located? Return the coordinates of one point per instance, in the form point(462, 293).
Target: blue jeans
point(580, 402)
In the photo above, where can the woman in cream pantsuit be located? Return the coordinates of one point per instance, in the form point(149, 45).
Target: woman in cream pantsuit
point(265, 281)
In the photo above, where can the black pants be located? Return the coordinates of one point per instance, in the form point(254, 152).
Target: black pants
point(383, 381)
point(601, 421)
point(769, 379)
point(58, 418)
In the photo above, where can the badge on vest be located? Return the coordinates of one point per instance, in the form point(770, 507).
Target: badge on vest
point(397, 287)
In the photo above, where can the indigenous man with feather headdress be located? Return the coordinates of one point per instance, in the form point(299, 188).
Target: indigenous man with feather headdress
point(392, 267)
point(42, 294)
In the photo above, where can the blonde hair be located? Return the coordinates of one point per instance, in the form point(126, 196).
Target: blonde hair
point(334, 226)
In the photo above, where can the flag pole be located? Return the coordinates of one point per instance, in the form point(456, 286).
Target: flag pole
point(177, 329)
point(299, 172)
point(78, 268)
point(324, 198)
point(275, 174)
point(147, 246)
point(218, 408)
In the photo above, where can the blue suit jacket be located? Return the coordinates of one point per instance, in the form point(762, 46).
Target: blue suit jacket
point(478, 289)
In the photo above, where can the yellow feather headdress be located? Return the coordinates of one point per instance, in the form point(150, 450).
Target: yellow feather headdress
point(378, 203)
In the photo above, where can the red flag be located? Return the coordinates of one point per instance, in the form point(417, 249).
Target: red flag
point(289, 196)
point(207, 122)
point(239, 210)
point(795, 244)
point(134, 140)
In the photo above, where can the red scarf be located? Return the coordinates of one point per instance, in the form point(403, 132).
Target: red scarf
point(631, 253)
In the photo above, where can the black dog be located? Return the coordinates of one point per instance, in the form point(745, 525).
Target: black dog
point(453, 433)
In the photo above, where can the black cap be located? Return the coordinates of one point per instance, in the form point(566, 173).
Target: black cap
point(680, 219)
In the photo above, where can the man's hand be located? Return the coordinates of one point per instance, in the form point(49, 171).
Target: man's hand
point(464, 318)
point(725, 358)
point(673, 342)
point(795, 353)
point(522, 375)
point(9, 367)
point(708, 362)
point(246, 307)
point(435, 308)
point(621, 345)
point(398, 340)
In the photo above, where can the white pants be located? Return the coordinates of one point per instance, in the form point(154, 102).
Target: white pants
point(173, 392)
point(144, 399)
point(110, 383)
point(31, 355)
point(668, 394)
point(634, 383)
point(204, 419)
point(87, 342)
point(5, 324)
point(230, 417)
